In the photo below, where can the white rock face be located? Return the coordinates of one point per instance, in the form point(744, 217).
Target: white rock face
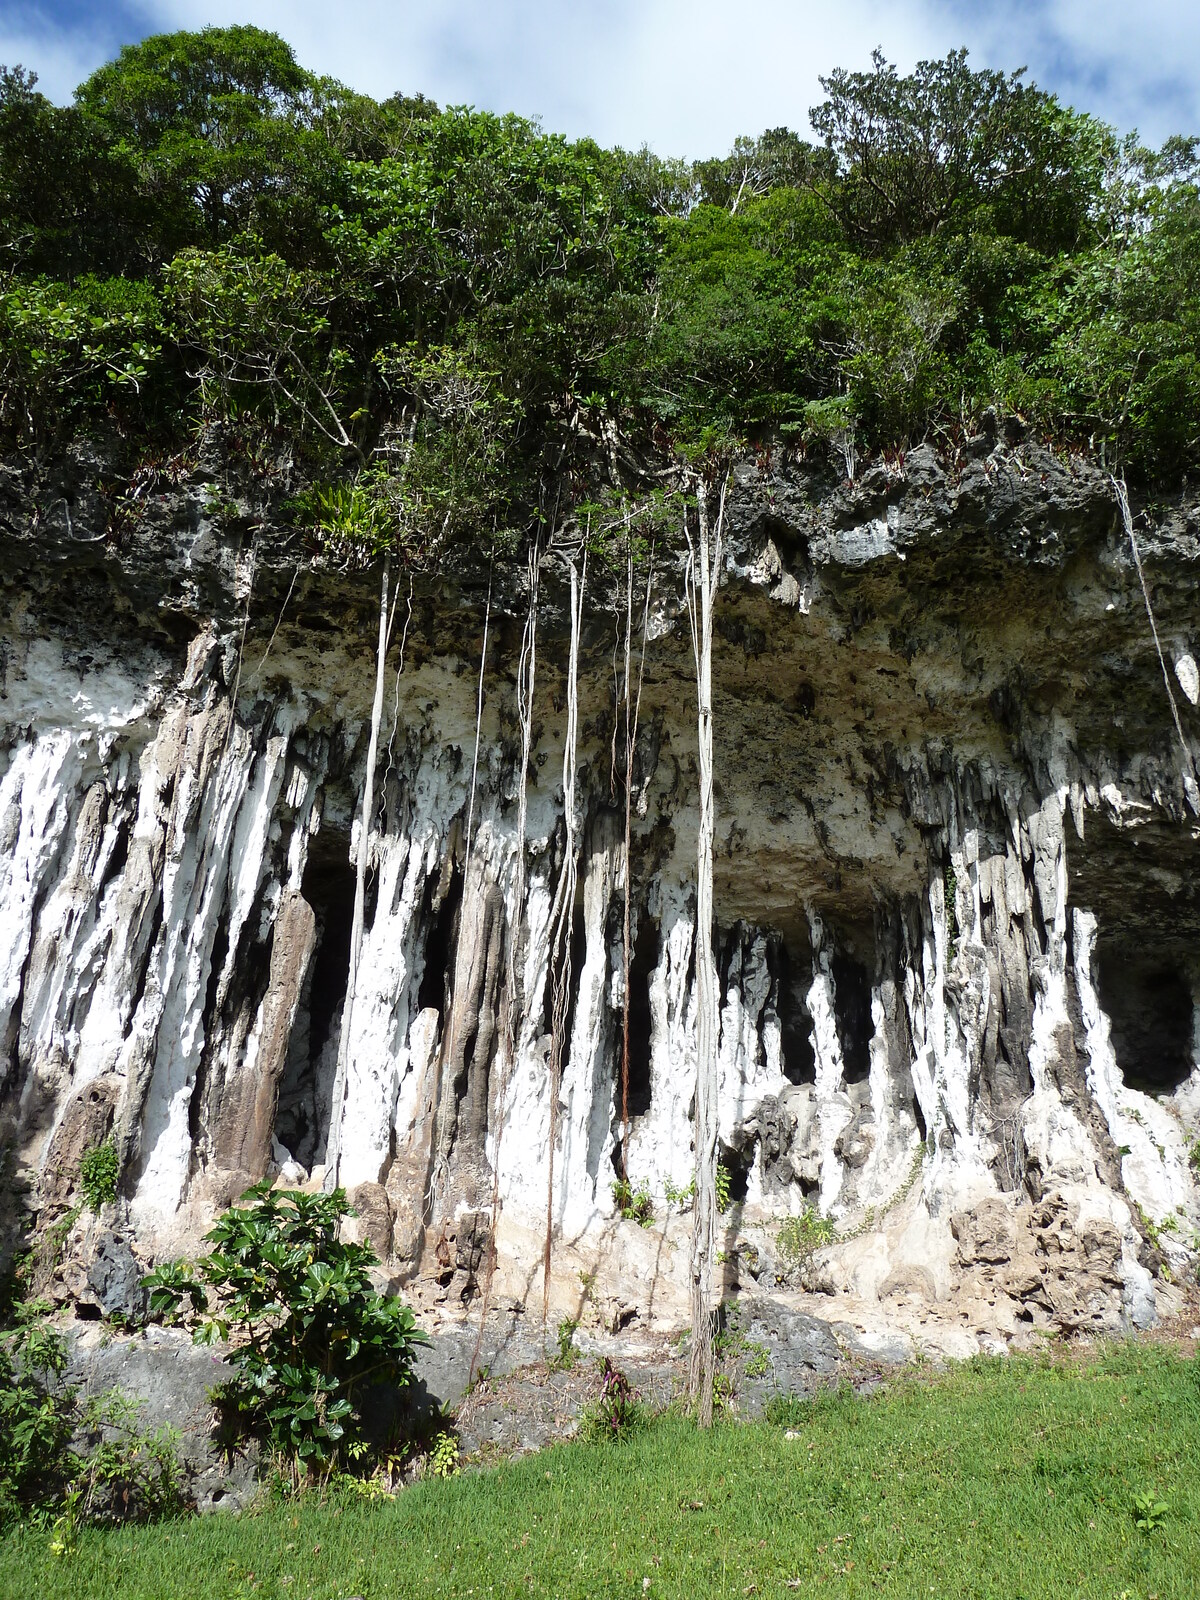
point(1188, 675)
point(175, 883)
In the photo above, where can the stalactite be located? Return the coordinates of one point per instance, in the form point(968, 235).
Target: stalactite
point(436, 1172)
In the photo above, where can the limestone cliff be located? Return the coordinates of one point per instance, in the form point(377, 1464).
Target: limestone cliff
point(956, 888)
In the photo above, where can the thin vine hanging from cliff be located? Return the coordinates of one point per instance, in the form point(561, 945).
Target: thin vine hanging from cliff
point(1190, 785)
point(632, 713)
point(514, 1003)
point(704, 576)
point(562, 914)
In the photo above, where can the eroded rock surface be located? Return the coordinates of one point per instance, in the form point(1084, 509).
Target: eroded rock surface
point(956, 888)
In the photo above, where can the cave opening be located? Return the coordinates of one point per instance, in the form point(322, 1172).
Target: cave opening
point(737, 1163)
point(1149, 1006)
point(642, 964)
point(793, 977)
point(440, 924)
point(578, 938)
point(302, 1114)
point(852, 1012)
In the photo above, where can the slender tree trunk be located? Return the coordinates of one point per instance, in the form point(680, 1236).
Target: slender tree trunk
point(333, 1158)
point(626, 928)
point(514, 1002)
point(561, 919)
point(705, 575)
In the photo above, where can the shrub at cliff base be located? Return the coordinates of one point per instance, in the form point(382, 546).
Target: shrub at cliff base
point(312, 1341)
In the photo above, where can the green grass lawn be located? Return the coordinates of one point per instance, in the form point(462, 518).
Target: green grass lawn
point(1005, 1479)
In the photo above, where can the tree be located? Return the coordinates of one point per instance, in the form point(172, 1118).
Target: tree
point(70, 202)
point(920, 154)
point(223, 124)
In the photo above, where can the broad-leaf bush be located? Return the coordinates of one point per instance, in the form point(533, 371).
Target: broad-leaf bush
point(312, 1342)
point(86, 1460)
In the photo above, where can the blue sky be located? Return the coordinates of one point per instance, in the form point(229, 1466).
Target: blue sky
point(684, 76)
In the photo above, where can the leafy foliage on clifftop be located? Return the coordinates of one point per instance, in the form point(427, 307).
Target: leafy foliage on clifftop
point(471, 318)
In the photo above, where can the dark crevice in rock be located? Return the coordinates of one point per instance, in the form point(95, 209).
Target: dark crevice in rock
point(302, 1114)
point(439, 926)
point(641, 971)
point(793, 976)
point(1149, 1005)
point(852, 1009)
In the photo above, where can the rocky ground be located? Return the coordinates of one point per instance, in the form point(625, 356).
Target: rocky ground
point(528, 1393)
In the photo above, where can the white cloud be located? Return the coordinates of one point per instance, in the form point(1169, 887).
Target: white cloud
point(685, 76)
point(61, 58)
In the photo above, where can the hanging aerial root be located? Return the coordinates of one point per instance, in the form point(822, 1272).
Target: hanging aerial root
point(526, 677)
point(632, 713)
point(1190, 785)
point(561, 915)
point(702, 585)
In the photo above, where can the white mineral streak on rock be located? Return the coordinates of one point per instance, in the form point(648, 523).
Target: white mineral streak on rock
point(35, 807)
point(385, 999)
point(660, 1142)
point(1155, 1169)
point(74, 931)
point(1188, 675)
point(526, 1142)
point(215, 837)
point(942, 1070)
point(587, 1107)
point(1053, 1133)
point(832, 1103)
point(896, 1134)
point(745, 1071)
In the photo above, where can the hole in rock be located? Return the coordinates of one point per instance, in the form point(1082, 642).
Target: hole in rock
point(302, 1118)
point(1149, 1005)
point(919, 1118)
point(643, 960)
point(793, 977)
point(439, 944)
point(578, 956)
point(737, 1163)
point(852, 1010)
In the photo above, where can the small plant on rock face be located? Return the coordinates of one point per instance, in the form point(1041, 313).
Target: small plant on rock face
point(311, 1338)
point(568, 1353)
point(675, 1196)
point(800, 1238)
point(724, 1180)
point(98, 1174)
point(635, 1205)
